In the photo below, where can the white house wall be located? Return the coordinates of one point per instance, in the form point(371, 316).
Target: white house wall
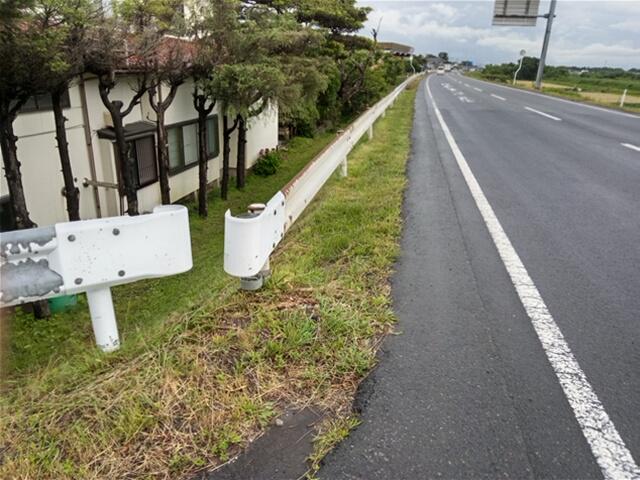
point(40, 164)
point(262, 133)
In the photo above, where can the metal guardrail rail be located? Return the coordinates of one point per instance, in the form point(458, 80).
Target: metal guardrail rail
point(92, 256)
point(249, 239)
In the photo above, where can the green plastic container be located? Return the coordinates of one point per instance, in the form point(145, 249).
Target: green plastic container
point(59, 304)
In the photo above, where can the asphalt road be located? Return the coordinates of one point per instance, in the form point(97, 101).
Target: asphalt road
point(472, 387)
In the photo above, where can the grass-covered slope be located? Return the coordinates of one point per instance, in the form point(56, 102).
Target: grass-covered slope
point(204, 367)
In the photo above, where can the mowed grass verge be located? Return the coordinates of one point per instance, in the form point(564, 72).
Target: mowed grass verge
point(204, 367)
point(608, 97)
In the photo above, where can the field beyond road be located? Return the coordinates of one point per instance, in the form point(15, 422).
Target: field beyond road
point(607, 98)
point(598, 91)
point(205, 368)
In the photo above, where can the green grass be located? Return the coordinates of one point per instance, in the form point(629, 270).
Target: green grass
point(603, 85)
point(142, 307)
point(599, 91)
point(205, 367)
point(331, 432)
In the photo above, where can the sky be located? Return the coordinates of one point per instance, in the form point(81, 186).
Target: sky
point(585, 33)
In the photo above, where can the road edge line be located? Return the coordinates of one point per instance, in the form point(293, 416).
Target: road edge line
point(608, 448)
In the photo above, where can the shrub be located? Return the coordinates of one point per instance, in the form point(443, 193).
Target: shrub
point(268, 163)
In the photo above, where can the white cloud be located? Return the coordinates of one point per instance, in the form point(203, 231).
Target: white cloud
point(628, 25)
point(595, 32)
point(594, 54)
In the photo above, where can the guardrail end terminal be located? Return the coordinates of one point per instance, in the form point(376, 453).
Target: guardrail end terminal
point(256, 282)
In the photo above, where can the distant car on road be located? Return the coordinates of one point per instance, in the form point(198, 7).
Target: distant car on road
point(440, 71)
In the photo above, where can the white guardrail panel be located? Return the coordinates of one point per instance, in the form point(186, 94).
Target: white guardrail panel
point(305, 186)
point(92, 256)
point(250, 239)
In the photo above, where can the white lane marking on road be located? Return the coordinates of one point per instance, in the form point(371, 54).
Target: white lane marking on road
point(607, 446)
point(578, 104)
point(632, 147)
point(498, 97)
point(466, 85)
point(543, 114)
point(477, 89)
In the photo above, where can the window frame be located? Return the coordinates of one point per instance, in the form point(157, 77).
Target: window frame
point(26, 108)
point(131, 142)
point(183, 168)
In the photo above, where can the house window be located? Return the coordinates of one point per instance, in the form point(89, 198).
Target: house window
point(143, 153)
point(183, 143)
point(38, 103)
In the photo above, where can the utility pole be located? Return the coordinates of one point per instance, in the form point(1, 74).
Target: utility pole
point(545, 44)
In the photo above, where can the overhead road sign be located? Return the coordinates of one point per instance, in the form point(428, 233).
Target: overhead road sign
point(517, 13)
point(524, 13)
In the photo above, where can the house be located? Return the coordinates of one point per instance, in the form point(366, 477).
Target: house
point(397, 49)
point(93, 157)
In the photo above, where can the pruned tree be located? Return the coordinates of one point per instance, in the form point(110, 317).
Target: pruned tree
point(24, 53)
point(244, 90)
point(67, 20)
point(272, 64)
point(204, 106)
point(167, 62)
point(171, 66)
point(214, 28)
point(115, 49)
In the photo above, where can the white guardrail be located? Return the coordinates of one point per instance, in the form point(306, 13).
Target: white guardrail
point(249, 239)
point(91, 256)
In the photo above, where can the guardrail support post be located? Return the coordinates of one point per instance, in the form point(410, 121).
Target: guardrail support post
point(622, 99)
point(384, 113)
point(344, 167)
point(103, 319)
point(370, 132)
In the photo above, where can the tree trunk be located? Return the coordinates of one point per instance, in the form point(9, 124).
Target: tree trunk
point(203, 163)
point(163, 157)
point(200, 104)
point(71, 192)
point(41, 309)
point(12, 171)
point(226, 150)
point(127, 166)
point(242, 152)
point(8, 146)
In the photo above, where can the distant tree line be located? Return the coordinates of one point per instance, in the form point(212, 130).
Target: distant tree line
point(504, 72)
